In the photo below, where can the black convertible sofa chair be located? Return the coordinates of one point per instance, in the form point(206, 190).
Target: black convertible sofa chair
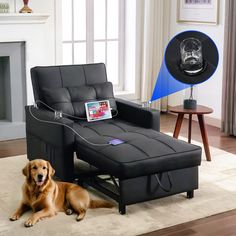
point(148, 165)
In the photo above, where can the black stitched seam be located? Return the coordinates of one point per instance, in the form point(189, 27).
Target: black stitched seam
point(127, 142)
point(155, 140)
point(158, 140)
point(87, 100)
point(61, 77)
point(135, 160)
point(162, 156)
point(109, 136)
point(123, 140)
point(134, 140)
point(138, 133)
point(71, 101)
point(138, 149)
point(59, 102)
point(94, 90)
point(93, 130)
point(105, 71)
point(63, 102)
point(106, 98)
point(38, 88)
point(93, 123)
point(84, 76)
point(110, 123)
point(118, 126)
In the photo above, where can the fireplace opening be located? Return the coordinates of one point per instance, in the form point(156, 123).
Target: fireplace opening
point(5, 90)
point(12, 90)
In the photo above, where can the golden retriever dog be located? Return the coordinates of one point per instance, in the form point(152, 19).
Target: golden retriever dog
point(46, 197)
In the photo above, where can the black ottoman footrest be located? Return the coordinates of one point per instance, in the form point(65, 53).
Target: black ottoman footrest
point(148, 165)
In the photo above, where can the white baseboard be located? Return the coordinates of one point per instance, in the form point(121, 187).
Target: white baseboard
point(210, 121)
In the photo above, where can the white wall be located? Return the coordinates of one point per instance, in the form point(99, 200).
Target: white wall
point(210, 92)
point(39, 38)
point(42, 43)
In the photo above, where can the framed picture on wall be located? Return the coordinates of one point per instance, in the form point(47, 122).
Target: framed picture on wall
point(198, 11)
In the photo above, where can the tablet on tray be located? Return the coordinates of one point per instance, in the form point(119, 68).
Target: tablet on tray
point(98, 110)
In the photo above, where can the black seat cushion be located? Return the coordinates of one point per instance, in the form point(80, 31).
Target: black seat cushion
point(144, 152)
point(71, 100)
point(67, 88)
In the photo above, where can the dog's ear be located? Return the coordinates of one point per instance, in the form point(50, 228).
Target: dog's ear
point(51, 171)
point(26, 170)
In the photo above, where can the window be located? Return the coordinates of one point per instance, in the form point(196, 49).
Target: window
point(93, 31)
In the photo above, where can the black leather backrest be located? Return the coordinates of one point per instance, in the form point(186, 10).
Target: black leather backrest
point(67, 88)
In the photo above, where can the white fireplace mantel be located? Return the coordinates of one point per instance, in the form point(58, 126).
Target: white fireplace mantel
point(23, 18)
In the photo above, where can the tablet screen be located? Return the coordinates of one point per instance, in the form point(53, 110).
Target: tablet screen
point(98, 110)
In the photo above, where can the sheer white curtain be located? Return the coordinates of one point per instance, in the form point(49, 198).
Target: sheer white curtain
point(229, 71)
point(154, 20)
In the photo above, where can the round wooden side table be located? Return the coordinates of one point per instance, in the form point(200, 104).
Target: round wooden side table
point(200, 111)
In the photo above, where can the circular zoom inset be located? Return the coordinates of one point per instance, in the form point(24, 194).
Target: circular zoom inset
point(191, 57)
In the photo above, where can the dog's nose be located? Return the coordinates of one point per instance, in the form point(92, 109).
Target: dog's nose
point(40, 177)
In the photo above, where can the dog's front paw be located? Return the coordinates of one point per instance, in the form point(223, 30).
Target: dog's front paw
point(14, 217)
point(30, 222)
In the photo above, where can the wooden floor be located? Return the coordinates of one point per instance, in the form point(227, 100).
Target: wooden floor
point(12, 148)
point(219, 225)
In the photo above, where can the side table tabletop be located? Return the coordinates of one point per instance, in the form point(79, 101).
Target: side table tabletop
point(200, 111)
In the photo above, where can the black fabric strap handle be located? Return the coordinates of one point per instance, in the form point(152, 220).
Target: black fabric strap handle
point(161, 185)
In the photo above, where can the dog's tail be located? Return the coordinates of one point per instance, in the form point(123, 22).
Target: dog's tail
point(100, 204)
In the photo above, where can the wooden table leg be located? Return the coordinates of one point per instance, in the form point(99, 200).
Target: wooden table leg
point(189, 128)
point(204, 136)
point(178, 125)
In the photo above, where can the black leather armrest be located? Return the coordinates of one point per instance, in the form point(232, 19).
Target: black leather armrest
point(134, 113)
point(54, 134)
